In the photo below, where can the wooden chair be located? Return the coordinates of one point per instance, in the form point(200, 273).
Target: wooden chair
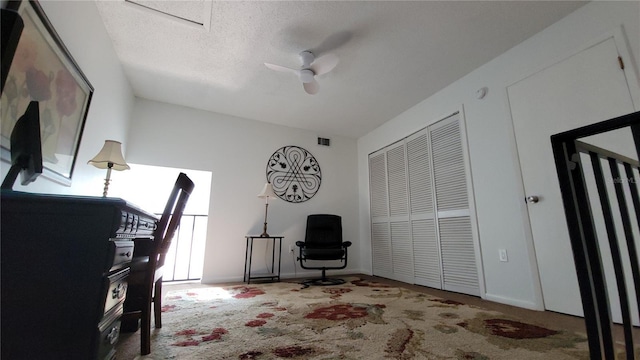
point(145, 278)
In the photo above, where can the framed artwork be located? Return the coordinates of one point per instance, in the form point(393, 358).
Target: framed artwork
point(294, 174)
point(43, 70)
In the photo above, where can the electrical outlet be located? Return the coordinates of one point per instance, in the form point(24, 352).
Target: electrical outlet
point(503, 255)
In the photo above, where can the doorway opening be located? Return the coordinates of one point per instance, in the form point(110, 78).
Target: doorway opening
point(148, 187)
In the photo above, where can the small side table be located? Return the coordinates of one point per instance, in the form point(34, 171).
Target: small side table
point(273, 276)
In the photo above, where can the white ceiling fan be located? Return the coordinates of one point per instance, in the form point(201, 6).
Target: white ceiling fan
point(310, 68)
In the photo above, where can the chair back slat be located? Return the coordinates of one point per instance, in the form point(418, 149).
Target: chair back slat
point(170, 219)
point(145, 279)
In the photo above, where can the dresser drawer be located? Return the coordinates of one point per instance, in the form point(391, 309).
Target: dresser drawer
point(121, 253)
point(117, 289)
point(109, 333)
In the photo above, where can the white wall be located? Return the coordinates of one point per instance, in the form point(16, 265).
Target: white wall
point(499, 194)
point(80, 27)
point(236, 151)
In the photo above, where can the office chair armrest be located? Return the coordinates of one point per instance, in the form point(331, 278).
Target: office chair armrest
point(300, 243)
point(346, 244)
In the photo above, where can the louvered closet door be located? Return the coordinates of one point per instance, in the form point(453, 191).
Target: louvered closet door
point(421, 225)
point(426, 249)
point(380, 232)
point(401, 245)
point(392, 250)
point(459, 268)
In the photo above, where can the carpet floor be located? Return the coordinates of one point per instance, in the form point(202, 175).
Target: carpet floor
point(366, 318)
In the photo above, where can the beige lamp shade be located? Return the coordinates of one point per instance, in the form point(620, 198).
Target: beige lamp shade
point(111, 153)
point(267, 191)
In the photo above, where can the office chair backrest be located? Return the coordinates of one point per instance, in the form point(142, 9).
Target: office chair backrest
point(323, 231)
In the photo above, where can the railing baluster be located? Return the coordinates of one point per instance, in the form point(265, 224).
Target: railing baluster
point(633, 188)
point(193, 233)
point(585, 252)
point(626, 225)
point(176, 242)
point(584, 241)
point(175, 253)
point(615, 249)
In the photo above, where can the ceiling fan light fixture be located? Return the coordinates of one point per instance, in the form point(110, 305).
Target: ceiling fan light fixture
point(307, 58)
point(306, 75)
point(309, 69)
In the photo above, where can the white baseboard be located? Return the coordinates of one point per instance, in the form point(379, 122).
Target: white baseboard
point(514, 302)
point(317, 273)
point(290, 275)
point(220, 280)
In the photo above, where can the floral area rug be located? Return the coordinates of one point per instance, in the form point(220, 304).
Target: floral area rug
point(357, 320)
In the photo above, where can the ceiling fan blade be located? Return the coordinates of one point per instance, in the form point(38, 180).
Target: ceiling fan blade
point(324, 64)
point(333, 42)
point(311, 87)
point(282, 68)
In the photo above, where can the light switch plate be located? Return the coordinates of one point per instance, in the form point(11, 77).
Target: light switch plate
point(503, 255)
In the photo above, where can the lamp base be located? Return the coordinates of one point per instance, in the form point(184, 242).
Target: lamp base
point(107, 180)
point(264, 231)
point(106, 187)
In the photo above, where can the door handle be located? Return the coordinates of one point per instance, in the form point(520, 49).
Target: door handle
point(532, 199)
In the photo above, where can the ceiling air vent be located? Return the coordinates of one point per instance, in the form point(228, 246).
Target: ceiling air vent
point(324, 141)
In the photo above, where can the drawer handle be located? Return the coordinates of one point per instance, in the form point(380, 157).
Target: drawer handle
point(127, 254)
point(119, 291)
point(112, 336)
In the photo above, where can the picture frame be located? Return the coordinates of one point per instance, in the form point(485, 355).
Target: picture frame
point(42, 69)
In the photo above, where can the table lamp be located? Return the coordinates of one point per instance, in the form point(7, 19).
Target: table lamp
point(110, 157)
point(266, 193)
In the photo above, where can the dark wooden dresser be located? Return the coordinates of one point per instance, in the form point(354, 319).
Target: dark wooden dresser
point(64, 265)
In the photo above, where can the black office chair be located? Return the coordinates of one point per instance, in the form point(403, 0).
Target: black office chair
point(323, 242)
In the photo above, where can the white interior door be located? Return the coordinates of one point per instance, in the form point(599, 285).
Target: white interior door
point(585, 88)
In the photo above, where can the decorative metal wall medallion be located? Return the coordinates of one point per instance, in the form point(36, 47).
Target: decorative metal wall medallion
point(294, 174)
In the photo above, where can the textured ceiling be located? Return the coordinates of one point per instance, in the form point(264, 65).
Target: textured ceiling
point(393, 54)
